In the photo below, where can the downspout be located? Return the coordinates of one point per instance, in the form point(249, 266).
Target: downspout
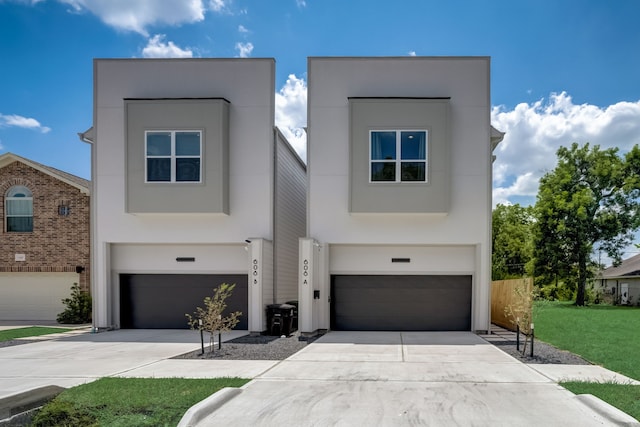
point(88, 137)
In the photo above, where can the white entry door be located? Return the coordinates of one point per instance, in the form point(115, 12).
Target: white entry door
point(624, 293)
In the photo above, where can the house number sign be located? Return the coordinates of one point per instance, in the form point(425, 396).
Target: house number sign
point(305, 272)
point(255, 272)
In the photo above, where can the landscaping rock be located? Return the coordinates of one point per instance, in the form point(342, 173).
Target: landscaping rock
point(259, 347)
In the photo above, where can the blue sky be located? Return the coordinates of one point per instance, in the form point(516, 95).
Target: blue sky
point(562, 71)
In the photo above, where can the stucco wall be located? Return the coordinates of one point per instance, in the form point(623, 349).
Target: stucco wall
point(465, 81)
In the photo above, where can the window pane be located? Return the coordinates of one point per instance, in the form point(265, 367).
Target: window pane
point(158, 143)
point(381, 171)
point(188, 169)
point(19, 191)
point(19, 207)
point(187, 143)
point(413, 171)
point(413, 145)
point(158, 169)
point(383, 145)
point(20, 224)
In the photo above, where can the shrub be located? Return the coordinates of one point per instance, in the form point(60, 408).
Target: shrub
point(62, 413)
point(78, 307)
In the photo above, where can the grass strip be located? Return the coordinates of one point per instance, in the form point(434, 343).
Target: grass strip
point(124, 402)
point(31, 331)
point(623, 396)
point(603, 334)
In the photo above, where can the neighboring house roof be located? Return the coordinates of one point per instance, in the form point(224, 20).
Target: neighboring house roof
point(629, 267)
point(496, 138)
point(75, 181)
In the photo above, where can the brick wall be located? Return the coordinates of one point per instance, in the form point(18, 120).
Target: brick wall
point(58, 243)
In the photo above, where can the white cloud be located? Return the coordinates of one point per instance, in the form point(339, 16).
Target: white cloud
point(138, 15)
point(244, 49)
point(291, 113)
point(217, 5)
point(13, 120)
point(534, 132)
point(243, 29)
point(157, 48)
point(301, 3)
point(412, 53)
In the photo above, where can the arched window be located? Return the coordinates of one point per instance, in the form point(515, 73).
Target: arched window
point(19, 209)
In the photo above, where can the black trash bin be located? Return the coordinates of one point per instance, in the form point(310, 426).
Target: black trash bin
point(280, 319)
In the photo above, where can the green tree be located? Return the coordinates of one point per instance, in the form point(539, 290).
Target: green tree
point(511, 241)
point(590, 199)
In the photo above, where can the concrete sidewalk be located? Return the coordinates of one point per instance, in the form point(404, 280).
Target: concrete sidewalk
point(392, 379)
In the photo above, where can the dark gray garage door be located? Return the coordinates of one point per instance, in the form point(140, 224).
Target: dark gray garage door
point(400, 303)
point(160, 301)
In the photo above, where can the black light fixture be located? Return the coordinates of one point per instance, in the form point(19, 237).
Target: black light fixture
point(185, 259)
point(400, 259)
point(79, 269)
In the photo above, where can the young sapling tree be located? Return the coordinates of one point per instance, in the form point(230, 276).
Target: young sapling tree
point(210, 318)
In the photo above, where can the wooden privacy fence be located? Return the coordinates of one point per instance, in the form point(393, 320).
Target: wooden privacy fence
point(503, 294)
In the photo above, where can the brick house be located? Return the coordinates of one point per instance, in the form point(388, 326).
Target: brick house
point(44, 247)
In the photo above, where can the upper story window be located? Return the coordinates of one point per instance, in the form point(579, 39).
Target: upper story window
point(398, 155)
point(173, 156)
point(19, 209)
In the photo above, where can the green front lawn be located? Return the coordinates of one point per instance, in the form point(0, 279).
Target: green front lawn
point(131, 402)
point(31, 331)
point(605, 335)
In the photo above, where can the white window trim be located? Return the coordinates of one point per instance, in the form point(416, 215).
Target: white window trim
point(9, 199)
point(398, 160)
point(173, 156)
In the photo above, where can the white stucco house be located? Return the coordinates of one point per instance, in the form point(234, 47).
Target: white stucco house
point(399, 195)
point(620, 284)
point(194, 186)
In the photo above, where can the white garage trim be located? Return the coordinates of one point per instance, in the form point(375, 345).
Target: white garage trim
point(34, 296)
point(379, 259)
point(154, 258)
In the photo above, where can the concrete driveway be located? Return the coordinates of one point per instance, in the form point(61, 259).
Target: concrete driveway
point(397, 379)
point(76, 358)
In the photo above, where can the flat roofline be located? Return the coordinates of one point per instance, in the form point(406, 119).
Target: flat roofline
point(398, 97)
point(266, 58)
point(179, 99)
point(408, 58)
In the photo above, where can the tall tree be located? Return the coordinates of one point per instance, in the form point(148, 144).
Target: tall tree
point(589, 199)
point(511, 240)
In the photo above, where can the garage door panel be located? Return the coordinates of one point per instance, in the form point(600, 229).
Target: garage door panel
point(394, 302)
point(160, 301)
point(34, 296)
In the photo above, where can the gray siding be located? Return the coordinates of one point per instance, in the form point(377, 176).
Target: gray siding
point(388, 114)
point(290, 215)
point(211, 116)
